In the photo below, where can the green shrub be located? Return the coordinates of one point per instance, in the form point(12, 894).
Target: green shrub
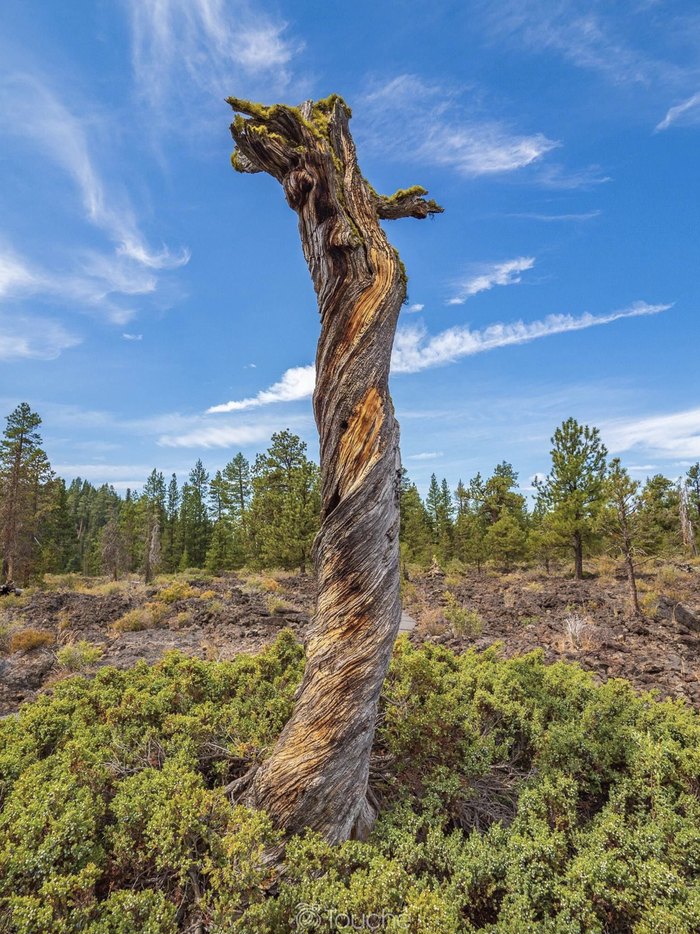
point(517, 797)
point(462, 621)
point(78, 655)
point(177, 590)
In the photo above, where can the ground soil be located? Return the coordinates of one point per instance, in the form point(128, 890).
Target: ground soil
point(587, 622)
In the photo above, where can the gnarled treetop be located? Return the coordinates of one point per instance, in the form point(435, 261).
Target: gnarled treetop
point(278, 140)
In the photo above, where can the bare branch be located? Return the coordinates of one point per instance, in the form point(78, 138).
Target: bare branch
point(406, 202)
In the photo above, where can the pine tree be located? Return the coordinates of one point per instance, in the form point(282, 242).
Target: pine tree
point(194, 518)
point(573, 491)
point(284, 514)
point(692, 498)
point(506, 541)
point(659, 526)
point(440, 510)
point(415, 532)
point(619, 521)
point(461, 498)
point(24, 474)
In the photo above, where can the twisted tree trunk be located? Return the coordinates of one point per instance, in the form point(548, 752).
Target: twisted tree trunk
point(317, 773)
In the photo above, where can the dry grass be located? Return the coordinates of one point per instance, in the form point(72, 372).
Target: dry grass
point(5, 636)
point(409, 593)
point(147, 616)
point(671, 582)
point(433, 622)
point(182, 620)
point(26, 640)
point(579, 632)
point(12, 600)
point(276, 606)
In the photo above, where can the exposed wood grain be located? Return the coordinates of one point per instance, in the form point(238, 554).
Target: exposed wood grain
point(316, 776)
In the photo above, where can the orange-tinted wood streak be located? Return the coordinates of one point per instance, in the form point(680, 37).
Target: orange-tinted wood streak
point(359, 446)
point(370, 302)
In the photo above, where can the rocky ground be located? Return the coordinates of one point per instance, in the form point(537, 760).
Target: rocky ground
point(210, 618)
point(588, 622)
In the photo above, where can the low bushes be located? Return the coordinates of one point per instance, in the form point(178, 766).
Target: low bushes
point(516, 796)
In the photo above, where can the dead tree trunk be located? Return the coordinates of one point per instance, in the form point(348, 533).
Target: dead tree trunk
point(317, 773)
point(578, 556)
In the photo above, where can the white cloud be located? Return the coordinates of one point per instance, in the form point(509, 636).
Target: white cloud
point(415, 350)
point(408, 117)
point(579, 34)
point(687, 112)
point(15, 274)
point(424, 456)
point(414, 309)
point(559, 178)
point(295, 383)
point(62, 138)
point(485, 148)
point(93, 282)
point(589, 215)
point(104, 473)
point(504, 273)
point(675, 435)
point(132, 337)
point(216, 436)
point(206, 45)
point(29, 338)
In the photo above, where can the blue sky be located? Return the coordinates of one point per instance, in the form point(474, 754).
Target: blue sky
point(143, 283)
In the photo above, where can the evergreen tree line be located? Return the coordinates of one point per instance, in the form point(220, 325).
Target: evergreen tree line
point(266, 514)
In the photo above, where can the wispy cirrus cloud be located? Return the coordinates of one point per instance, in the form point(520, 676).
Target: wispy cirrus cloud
point(180, 47)
point(673, 435)
point(687, 112)
point(33, 338)
point(415, 349)
point(95, 282)
point(217, 436)
point(415, 308)
point(559, 178)
point(76, 275)
point(508, 272)
point(296, 383)
point(424, 456)
point(556, 218)
point(62, 137)
point(411, 118)
point(591, 38)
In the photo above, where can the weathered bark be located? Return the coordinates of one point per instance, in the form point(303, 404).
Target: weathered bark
point(317, 773)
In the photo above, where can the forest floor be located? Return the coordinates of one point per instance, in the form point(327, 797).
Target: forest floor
point(76, 624)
